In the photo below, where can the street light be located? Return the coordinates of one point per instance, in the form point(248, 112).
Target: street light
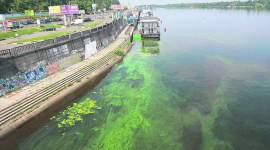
point(40, 13)
point(4, 23)
point(39, 20)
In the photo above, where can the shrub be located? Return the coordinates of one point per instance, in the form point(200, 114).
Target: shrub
point(119, 52)
point(68, 84)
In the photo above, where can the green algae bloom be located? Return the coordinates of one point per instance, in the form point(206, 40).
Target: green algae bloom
point(71, 115)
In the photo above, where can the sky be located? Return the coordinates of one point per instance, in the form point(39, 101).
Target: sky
point(161, 2)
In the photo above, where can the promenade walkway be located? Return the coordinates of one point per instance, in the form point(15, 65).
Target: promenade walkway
point(22, 102)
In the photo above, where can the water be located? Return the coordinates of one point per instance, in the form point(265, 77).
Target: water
point(204, 85)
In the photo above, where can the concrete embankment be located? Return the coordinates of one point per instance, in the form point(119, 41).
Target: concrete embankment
point(58, 90)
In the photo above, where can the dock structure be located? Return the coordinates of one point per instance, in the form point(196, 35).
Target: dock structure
point(150, 27)
point(146, 11)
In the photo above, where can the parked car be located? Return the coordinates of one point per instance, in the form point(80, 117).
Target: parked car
point(21, 25)
point(56, 19)
point(49, 18)
point(1, 25)
point(45, 21)
point(27, 22)
point(77, 21)
point(87, 19)
point(12, 24)
point(50, 29)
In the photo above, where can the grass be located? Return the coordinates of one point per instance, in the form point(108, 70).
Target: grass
point(49, 36)
point(91, 25)
point(119, 52)
point(23, 31)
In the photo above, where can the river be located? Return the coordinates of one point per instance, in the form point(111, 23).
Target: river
point(204, 85)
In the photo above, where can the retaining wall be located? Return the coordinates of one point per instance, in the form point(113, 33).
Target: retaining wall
point(26, 64)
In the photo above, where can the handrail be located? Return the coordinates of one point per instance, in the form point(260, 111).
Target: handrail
point(5, 53)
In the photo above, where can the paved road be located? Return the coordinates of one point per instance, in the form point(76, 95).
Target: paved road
point(92, 16)
point(4, 44)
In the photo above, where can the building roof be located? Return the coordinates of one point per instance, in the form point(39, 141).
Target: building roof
point(147, 19)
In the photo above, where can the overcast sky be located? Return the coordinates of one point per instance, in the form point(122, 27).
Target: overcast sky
point(145, 2)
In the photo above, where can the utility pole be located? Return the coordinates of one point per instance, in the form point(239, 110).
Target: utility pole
point(4, 23)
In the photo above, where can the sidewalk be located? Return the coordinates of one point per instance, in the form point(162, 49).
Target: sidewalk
point(4, 43)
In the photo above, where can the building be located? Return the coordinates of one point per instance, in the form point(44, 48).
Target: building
point(150, 27)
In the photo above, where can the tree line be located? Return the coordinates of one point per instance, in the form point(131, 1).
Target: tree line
point(18, 6)
point(262, 4)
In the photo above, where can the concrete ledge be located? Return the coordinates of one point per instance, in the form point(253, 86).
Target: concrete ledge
point(22, 121)
point(6, 132)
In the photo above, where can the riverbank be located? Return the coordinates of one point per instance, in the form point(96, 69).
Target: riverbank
point(53, 92)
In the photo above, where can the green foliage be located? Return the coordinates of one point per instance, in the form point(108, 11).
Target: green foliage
point(91, 25)
point(68, 84)
point(119, 52)
point(78, 80)
point(129, 44)
point(233, 4)
point(45, 37)
point(18, 6)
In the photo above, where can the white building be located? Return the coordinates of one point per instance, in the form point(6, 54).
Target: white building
point(150, 27)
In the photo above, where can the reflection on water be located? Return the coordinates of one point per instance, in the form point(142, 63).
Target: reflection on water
point(208, 88)
point(150, 46)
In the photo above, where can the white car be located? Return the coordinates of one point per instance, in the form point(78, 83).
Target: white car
point(1, 25)
point(77, 21)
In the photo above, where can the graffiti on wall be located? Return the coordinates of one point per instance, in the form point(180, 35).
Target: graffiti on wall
point(104, 42)
point(38, 71)
point(42, 69)
point(57, 65)
point(23, 79)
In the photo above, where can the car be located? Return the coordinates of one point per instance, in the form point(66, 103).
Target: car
point(56, 19)
point(49, 18)
point(21, 25)
point(1, 25)
point(77, 21)
point(87, 19)
point(50, 29)
point(27, 22)
point(45, 21)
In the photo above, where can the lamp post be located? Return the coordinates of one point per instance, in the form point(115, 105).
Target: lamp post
point(12, 13)
point(4, 23)
point(39, 20)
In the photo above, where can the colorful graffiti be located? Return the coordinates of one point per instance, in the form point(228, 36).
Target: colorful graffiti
point(37, 72)
point(104, 42)
point(23, 79)
point(63, 63)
